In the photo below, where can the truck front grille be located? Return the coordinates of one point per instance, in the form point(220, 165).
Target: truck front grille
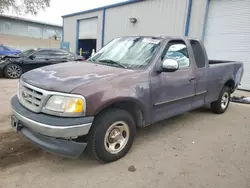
point(30, 97)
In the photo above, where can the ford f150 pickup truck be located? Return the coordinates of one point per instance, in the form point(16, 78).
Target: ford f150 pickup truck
point(131, 82)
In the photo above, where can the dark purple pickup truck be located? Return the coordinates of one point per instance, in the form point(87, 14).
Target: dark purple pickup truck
point(131, 82)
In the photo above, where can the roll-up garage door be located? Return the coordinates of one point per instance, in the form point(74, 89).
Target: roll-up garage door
point(227, 34)
point(88, 28)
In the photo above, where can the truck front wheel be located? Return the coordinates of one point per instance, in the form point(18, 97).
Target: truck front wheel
point(112, 135)
point(221, 105)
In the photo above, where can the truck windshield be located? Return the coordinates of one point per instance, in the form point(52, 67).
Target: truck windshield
point(129, 52)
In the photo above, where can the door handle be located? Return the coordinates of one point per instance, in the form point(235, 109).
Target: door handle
point(47, 59)
point(192, 79)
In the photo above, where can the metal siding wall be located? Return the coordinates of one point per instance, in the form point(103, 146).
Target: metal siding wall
point(227, 34)
point(197, 18)
point(48, 31)
point(24, 43)
point(88, 28)
point(27, 29)
point(155, 17)
point(70, 28)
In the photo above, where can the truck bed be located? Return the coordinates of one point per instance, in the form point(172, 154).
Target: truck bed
point(211, 62)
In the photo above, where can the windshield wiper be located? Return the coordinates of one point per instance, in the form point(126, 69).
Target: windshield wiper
point(112, 62)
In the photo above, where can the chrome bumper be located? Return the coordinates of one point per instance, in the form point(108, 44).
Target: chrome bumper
point(54, 131)
point(57, 127)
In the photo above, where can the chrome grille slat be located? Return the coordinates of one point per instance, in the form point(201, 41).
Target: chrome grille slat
point(33, 101)
point(30, 97)
point(33, 93)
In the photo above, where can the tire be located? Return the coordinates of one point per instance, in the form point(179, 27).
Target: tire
point(13, 71)
point(221, 105)
point(108, 127)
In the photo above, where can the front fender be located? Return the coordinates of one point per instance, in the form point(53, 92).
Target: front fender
point(139, 95)
point(111, 102)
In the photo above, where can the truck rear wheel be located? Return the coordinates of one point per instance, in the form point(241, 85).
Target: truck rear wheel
point(112, 135)
point(221, 105)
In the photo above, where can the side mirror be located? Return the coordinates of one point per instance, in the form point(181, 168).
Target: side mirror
point(170, 65)
point(32, 57)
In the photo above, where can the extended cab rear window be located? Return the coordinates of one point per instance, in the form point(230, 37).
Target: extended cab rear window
point(198, 53)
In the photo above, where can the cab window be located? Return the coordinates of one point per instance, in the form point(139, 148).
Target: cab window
point(178, 51)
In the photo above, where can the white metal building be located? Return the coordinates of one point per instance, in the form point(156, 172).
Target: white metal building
point(23, 33)
point(224, 25)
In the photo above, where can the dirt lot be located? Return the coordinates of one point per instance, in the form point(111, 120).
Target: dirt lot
point(196, 149)
point(7, 90)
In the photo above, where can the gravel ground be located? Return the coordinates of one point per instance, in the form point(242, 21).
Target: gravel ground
point(196, 149)
point(7, 90)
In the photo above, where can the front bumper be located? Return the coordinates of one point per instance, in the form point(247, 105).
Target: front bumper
point(58, 127)
point(62, 147)
point(53, 134)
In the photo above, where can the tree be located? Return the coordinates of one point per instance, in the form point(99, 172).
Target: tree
point(24, 6)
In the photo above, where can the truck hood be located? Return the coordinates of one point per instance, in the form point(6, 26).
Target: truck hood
point(65, 77)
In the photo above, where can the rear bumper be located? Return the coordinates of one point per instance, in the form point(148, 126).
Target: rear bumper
point(51, 133)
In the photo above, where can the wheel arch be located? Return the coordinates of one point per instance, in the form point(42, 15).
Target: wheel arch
point(132, 106)
point(231, 84)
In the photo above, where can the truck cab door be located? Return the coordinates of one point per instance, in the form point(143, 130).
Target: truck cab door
point(173, 92)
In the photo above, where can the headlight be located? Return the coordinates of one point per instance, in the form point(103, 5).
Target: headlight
point(66, 105)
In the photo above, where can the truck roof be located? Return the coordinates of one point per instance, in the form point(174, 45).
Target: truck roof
point(165, 37)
